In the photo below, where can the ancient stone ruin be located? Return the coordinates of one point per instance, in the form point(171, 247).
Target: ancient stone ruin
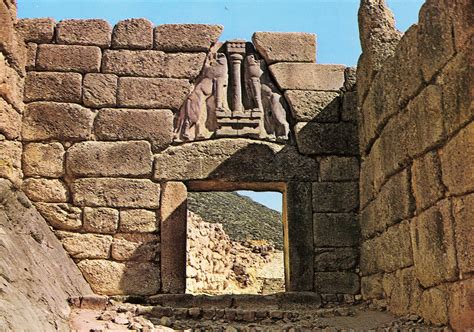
point(104, 131)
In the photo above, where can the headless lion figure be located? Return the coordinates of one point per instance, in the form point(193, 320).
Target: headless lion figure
point(275, 117)
point(211, 90)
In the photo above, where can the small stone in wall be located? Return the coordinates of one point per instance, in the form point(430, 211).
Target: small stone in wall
point(84, 32)
point(99, 90)
point(100, 220)
point(134, 33)
point(85, 245)
point(43, 159)
point(45, 190)
point(61, 216)
point(138, 220)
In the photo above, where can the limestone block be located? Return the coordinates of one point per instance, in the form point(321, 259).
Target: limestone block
point(134, 33)
point(336, 282)
point(455, 82)
point(65, 122)
point(11, 85)
point(317, 106)
point(93, 32)
point(395, 248)
point(349, 111)
point(285, 46)
point(368, 259)
point(152, 92)
point(37, 30)
point(45, 190)
point(335, 229)
point(186, 37)
point(49, 86)
point(334, 168)
point(10, 120)
point(113, 278)
point(434, 28)
point(335, 259)
point(82, 59)
point(234, 160)
point(308, 76)
point(11, 44)
point(32, 49)
point(85, 245)
point(136, 247)
point(134, 193)
point(457, 164)
point(426, 179)
point(327, 138)
point(173, 237)
point(139, 221)
point(434, 305)
point(335, 196)
point(150, 63)
point(464, 229)
point(10, 161)
point(402, 291)
point(43, 160)
point(434, 255)
point(61, 216)
point(371, 287)
point(89, 159)
point(101, 220)
point(461, 311)
point(155, 126)
point(100, 90)
point(410, 133)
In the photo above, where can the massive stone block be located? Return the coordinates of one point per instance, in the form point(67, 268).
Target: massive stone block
point(334, 168)
point(426, 179)
point(85, 245)
point(173, 237)
point(101, 220)
point(395, 249)
point(327, 138)
point(136, 247)
point(100, 90)
point(65, 122)
point(336, 282)
point(335, 229)
point(139, 221)
point(10, 120)
point(434, 255)
point(234, 160)
point(89, 159)
point(403, 291)
point(43, 160)
point(460, 308)
point(114, 278)
point(335, 259)
point(62, 87)
point(464, 229)
point(349, 111)
point(434, 305)
point(285, 46)
point(335, 196)
point(371, 287)
point(45, 190)
point(186, 37)
point(61, 216)
point(308, 76)
point(317, 106)
point(155, 126)
point(84, 32)
point(82, 59)
point(11, 84)
point(456, 164)
point(153, 63)
point(152, 92)
point(118, 192)
point(37, 30)
point(134, 33)
point(10, 161)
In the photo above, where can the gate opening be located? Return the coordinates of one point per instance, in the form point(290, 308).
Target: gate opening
point(235, 243)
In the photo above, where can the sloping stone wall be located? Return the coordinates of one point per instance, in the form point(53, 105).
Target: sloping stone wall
point(417, 176)
point(100, 166)
point(36, 274)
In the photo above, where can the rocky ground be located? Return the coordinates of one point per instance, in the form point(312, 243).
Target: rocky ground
point(116, 316)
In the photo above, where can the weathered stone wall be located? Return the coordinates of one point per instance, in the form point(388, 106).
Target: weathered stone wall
point(36, 275)
point(100, 167)
point(416, 141)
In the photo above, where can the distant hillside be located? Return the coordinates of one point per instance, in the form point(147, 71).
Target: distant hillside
point(242, 218)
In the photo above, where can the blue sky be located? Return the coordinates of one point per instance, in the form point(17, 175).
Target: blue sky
point(333, 21)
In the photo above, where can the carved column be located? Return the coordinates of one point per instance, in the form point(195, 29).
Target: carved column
point(236, 51)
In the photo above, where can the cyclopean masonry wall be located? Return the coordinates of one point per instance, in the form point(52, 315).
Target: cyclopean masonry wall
point(36, 275)
point(110, 149)
point(417, 177)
